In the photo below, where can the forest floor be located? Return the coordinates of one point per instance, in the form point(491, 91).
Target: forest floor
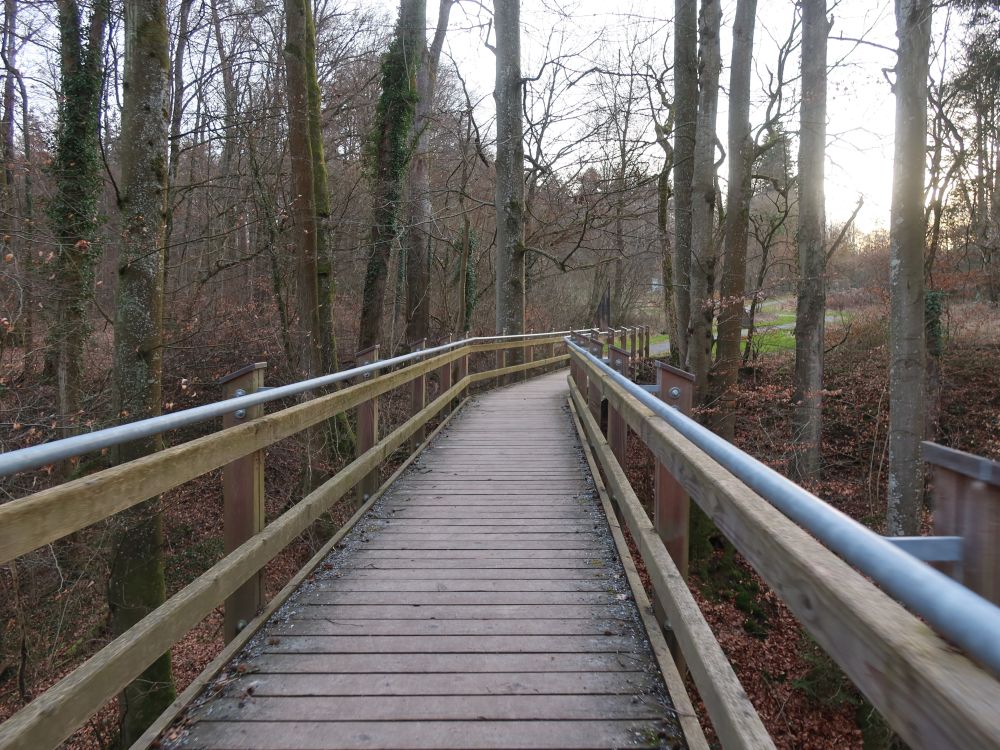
point(802, 696)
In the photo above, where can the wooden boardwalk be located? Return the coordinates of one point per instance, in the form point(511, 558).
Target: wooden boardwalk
point(479, 604)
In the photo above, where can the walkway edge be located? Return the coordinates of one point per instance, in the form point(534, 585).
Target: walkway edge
point(694, 736)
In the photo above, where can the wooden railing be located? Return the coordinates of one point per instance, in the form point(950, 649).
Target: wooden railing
point(46, 516)
point(932, 695)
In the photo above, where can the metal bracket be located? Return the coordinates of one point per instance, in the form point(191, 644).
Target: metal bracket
point(930, 548)
point(242, 413)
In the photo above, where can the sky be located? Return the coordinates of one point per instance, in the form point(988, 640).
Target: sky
point(860, 102)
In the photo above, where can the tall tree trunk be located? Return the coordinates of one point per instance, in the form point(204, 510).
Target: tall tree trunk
point(685, 132)
point(9, 224)
point(176, 113)
point(339, 437)
point(303, 208)
point(906, 270)
point(136, 585)
point(734, 270)
point(810, 320)
point(390, 156)
point(509, 197)
point(703, 205)
point(76, 170)
point(417, 238)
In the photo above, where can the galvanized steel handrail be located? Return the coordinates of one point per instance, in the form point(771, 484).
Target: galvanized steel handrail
point(954, 611)
point(35, 456)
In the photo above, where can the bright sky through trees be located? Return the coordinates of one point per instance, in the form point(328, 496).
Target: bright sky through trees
point(591, 32)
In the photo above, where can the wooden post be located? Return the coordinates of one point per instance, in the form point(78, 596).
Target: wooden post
point(367, 427)
point(444, 379)
point(617, 429)
point(576, 372)
point(418, 396)
point(550, 352)
point(463, 366)
point(243, 501)
point(671, 504)
point(622, 332)
point(595, 347)
point(966, 492)
point(645, 342)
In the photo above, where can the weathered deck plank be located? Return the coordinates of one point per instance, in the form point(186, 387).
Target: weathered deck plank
point(480, 605)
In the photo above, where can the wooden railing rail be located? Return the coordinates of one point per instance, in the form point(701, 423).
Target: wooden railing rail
point(933, 696)
point(46, 516)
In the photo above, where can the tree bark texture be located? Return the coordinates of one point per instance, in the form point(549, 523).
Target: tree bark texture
point(685, 130)
point(703, 200)
point(810, 320)
point(509, 169)
point(906, 271)
point(734, 270)
point(303, 207)
point(136, 586)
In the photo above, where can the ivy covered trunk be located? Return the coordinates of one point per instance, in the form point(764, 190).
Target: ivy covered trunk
point(76, 171)
point(389, 157)
point(509, 169)
point(136, 586)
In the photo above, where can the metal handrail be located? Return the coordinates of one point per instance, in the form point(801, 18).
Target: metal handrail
point(954, 611)
point(25, 459)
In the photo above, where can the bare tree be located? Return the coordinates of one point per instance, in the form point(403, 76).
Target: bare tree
point(509, 197)
point(417, 239)
point(136, 586)
point(703, 204)
point(741, 159)
point(303, 188)
point(810, 321)
point(906, 270)
point(685, 133)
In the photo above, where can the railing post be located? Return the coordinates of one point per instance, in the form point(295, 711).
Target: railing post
point(463, 366)
point(966, 492)
point(444, 378)
point(243, 500)
point(671, 504)
point(622, 332)
point(595, 347)
point(367, 427)
point(671, 508)
point(575, 371)
point(418, 396)
point(617, 429)
point(645, 342)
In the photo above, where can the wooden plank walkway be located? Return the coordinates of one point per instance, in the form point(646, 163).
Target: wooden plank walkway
point(480, 604)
